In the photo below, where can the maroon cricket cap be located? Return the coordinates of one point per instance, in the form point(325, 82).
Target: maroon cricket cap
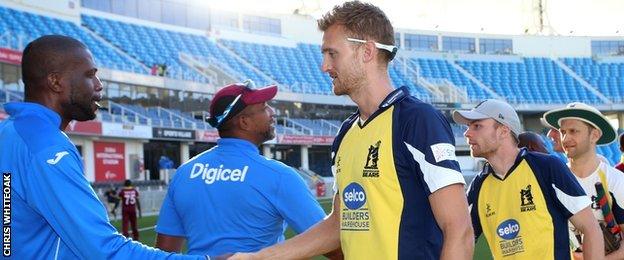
point(232, 99)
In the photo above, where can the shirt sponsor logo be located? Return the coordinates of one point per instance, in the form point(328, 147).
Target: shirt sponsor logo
point(511, 242)
point(212, 175)
point(489, 211)
point(370, 168)
point(354, 216)
point(57, 157)
point(354, 196)
point(509, 229)
point(443, 151)
point(526, 200)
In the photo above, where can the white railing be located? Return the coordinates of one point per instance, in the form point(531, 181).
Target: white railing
point(297, 127)
point(124, 112)
point(173, 114)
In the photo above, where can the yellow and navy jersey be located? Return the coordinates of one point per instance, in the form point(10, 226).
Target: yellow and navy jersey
point(385, 170)
point(525, 214)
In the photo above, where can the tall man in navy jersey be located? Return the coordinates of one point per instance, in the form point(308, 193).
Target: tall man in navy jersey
point(399, 189)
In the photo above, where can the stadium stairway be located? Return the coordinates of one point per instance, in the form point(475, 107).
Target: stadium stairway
point(154, 46)
point(533, 80)
point(434, 69)
point(606, 76)
point(536, 80)
point(582, 81)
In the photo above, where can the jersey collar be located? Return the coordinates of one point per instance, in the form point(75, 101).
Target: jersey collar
point(487, 169)
point(237, 144)
point(19, 109)
point(394, 97)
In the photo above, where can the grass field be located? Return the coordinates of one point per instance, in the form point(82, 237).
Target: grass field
point(147, 235)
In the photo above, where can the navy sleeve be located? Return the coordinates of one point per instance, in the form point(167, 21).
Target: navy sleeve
point(430, 142)
point(295, 202)
point(473, 206)
point(61, 194)
point(571, 197)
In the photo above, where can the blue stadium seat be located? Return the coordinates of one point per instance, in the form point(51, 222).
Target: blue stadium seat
point(535, 80)
point(25, 27)
point(608, 78)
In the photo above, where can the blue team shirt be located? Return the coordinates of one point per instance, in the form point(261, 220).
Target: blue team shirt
point(55, 212)
point(231, 199)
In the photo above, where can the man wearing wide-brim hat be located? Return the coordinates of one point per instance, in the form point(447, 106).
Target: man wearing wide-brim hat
point(582, 129)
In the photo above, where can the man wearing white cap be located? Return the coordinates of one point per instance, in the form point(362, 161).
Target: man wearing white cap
point(522, 200)
point(583, 128)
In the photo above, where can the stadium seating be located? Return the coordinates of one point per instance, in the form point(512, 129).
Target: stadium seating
point(441, 69)
point(319, 127)
point(607, 77)
point(154, 46)
point(23, 27)
point(534, 81)
point(299, 68)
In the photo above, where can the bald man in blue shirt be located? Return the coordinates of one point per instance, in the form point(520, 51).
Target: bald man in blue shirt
point(230, 198)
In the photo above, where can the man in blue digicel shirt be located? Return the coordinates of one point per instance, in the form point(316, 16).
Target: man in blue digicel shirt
point(230, 198)
point(55, 212)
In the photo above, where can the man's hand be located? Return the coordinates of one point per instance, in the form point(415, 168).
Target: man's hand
point(140, 215)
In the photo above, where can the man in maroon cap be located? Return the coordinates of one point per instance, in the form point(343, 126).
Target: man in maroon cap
point(230, 198)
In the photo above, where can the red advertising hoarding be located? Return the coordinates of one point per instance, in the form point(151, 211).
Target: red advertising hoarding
point(207, 136)
point(10, 56)
point(85, 128)
point(305, 139)
point(110, 163)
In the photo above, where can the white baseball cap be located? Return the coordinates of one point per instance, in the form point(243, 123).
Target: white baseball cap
point(491, 108)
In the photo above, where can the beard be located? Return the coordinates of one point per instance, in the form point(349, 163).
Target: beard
point(81, 107)
point(486, 148)
point(349, 80)
point(268, 135)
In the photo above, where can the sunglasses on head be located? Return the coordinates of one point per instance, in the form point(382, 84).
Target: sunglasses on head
point(247, 86)
point(390, 48)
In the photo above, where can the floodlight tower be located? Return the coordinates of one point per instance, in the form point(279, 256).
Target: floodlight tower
point(542, 22)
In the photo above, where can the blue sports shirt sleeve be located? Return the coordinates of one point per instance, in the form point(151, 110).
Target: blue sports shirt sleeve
point(169, 221)
point(295, 202)
point(59, 192)
point(430, 142)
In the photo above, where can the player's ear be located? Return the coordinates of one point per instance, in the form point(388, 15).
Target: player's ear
point(53, 82)
point(369, 51)
point(594, 135)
